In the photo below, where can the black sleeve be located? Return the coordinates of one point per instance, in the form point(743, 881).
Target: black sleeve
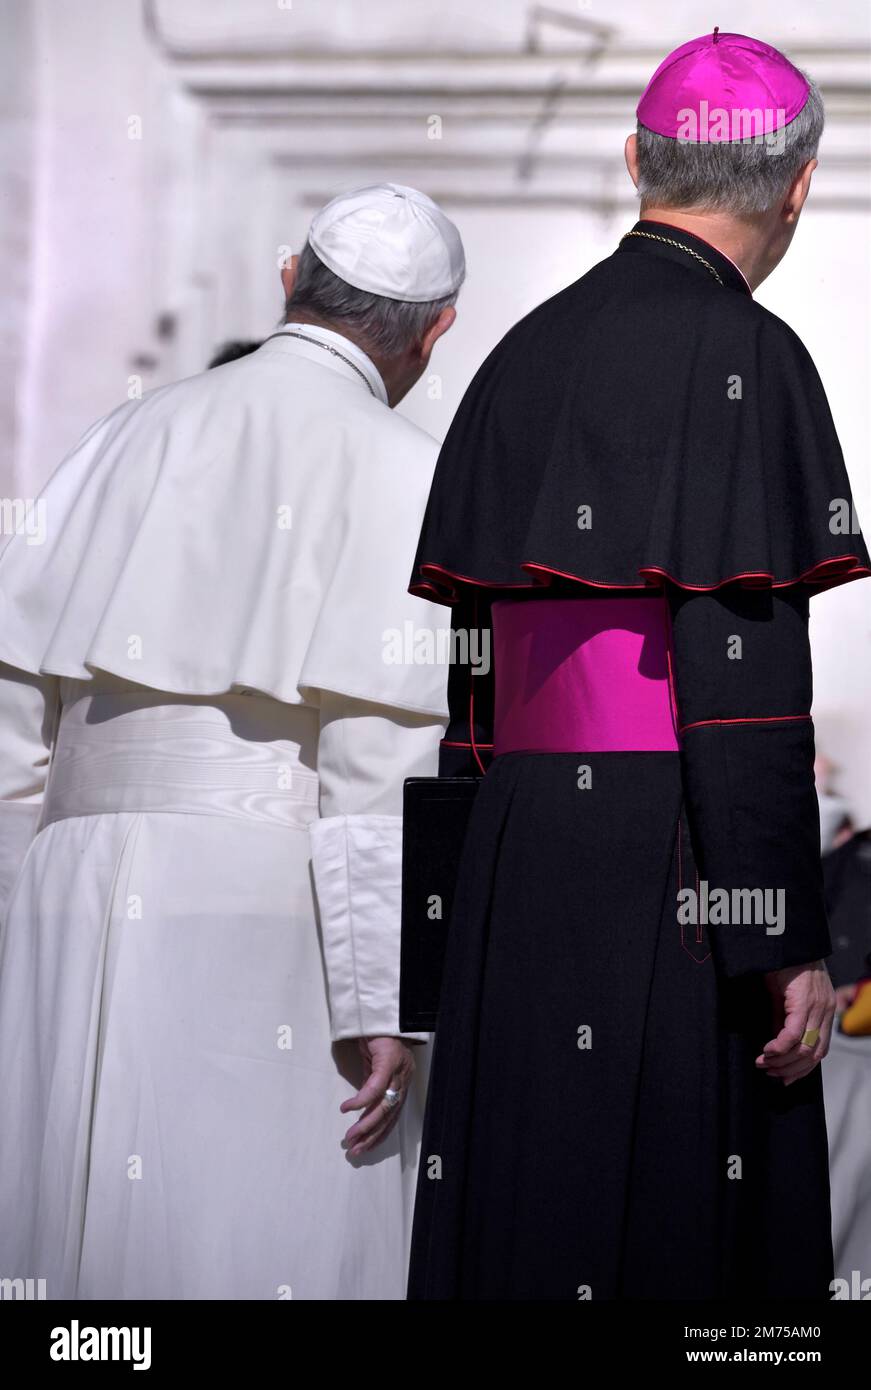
point(467, 746)
point(743, 684)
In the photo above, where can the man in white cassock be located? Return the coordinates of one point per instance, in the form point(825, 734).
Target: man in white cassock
point(205, 733)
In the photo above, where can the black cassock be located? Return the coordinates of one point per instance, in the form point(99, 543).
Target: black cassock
point(596, 1126)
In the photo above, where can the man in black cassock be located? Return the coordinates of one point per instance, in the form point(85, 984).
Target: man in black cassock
point(641, 491)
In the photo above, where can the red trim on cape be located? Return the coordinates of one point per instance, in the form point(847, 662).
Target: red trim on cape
point(751, 719)
point(827, 573)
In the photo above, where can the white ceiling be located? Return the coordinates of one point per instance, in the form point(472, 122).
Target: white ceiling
point(500, 25)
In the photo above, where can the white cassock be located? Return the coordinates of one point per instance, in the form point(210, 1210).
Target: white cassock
point(202, 895)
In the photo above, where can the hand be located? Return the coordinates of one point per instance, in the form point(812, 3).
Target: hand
point(390, 1064)
point(803, 998)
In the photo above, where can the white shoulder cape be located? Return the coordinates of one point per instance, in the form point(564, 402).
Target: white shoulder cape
point(253, 527)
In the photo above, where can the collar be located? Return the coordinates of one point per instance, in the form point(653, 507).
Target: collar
point(730, 274)
point(342, 345)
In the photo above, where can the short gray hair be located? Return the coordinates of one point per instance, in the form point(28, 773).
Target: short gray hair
point(387, 326)
point(737, 176)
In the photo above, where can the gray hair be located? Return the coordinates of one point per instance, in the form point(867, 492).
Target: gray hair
point(387, 326)
point(737, 176)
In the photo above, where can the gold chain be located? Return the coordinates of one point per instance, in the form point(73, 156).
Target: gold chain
point(669, 241)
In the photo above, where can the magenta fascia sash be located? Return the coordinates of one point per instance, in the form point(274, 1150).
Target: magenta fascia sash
point(582, 675)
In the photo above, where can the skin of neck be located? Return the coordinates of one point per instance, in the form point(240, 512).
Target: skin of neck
point(400, 371)
point(756, 242)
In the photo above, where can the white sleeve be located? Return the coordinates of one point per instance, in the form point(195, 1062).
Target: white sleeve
point(28, 707)
point(365, 752)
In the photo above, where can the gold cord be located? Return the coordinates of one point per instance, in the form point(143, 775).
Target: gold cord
point(669, 241)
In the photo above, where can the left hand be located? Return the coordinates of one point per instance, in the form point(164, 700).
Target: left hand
point(391, 1064)
point(803, 999)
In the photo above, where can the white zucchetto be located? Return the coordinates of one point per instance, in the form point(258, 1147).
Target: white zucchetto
point(390, 240)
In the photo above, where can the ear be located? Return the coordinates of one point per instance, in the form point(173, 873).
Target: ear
point(630, 154)
point(288, 276)
point(797, 195)
point(435, 331)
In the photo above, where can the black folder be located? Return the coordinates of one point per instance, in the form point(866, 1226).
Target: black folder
point(436, 814)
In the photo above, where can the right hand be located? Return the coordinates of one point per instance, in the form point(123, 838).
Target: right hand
point(389, 1062)
point(803, 998)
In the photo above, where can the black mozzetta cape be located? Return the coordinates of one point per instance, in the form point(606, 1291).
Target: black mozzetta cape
point(645, 423)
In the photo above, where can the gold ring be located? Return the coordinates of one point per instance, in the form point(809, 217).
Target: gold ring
point(811, 1037)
